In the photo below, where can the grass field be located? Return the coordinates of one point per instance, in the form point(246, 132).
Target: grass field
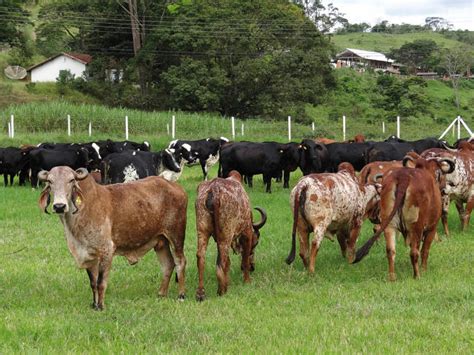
point(342, 308)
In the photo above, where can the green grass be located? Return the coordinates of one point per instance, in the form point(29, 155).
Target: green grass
point(342, 308)
point(383, 42)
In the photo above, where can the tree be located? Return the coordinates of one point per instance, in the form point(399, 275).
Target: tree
point(417, 54)
point(438, 23)
point(456, 62)
point(13, 19)
point(325, 18)
point(353, 27)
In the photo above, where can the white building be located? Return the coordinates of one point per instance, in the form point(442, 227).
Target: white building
point(358, 58)
point(49, 69)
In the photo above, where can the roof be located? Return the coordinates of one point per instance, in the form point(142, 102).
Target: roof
point(80, 57)
point(369, 55)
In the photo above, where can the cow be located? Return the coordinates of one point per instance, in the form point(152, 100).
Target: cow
point(314, 157)
point(353, 153)
point(371, 171)
point(459, 183)
point(93, 150)
point(108, 146)
point(101, 221)
point(46, 159)
point(131, 165)
point(14, 161)
point(333, 203)
point(252, 158)
point(410, 202)
point(183, 156)
point(205, 151)
point(223, 211)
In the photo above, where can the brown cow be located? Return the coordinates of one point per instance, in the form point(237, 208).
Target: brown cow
point(459, 184)
point(372, 170)
point(332, 203)
point(410, 202)
point(122, 219)
point(223, 211)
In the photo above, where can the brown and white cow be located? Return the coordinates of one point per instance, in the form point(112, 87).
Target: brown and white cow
point(410, 202)
point(101, 221)
point(332, 203)
point(223, 211)
point(459, 184)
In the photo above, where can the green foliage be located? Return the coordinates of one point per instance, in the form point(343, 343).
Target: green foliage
point(417, 54)
point(13, 19)
point(64, 81)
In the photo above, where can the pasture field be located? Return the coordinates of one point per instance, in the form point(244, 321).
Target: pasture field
point(341, 309)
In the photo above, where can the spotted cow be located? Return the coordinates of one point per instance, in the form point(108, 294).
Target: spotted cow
point(333, 203)
point(223, 211)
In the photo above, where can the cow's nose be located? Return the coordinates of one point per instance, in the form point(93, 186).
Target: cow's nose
point(59, 207)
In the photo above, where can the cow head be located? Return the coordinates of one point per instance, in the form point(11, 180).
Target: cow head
point(62, 182)
point(185, 152)
point(169, 161)
point(313, 156)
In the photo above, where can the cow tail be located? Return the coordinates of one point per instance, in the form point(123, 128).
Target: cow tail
point(212, 206)
point(400, 193)
point(300, 199)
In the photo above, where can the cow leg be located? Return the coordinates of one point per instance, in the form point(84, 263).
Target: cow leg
point(353, 235)
point(5, 179)
point(390, 234)
point(444, 214)
point(303, 233)
point(180, 264)
point(204, 169)
point(250, 180)
point(467, 214)
point(315, 244)
point(286, 179)
point(425, 249)
point(163, 253)
point(93, 273)
point(342, 239)
point(104, 269)
point(203, 240)
point(415, 238)
point(12, 178)
point(222, 269)
point(461, 211)
point(267, 180)
point(34, 179)
point(246, 250)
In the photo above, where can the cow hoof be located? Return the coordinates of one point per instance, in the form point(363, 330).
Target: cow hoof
point(181, 297)
point(392, 277)
point(98, 307)
point(200, 297)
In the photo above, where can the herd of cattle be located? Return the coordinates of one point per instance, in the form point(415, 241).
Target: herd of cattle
point(403, 186)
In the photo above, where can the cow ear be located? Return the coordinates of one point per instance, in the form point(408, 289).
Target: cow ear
point(409, 162)
point(81, 174)
point(43, 175)
point(44, 199)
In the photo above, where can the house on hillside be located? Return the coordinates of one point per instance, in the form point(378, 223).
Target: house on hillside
point(361, 59)
point(48, 70)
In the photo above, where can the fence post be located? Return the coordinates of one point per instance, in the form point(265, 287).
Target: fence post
point(69, 125)
point(168, 129)
point(173, 126)
point(232, 119)
point(9, 130)
point(126, 128)
point(312, 126)
point(398, 126)
point(343, 127)
point(383, 127)
point(459, 126)
point(90, 128)
point(242, 129)
point(289, 128)
point(12, 126)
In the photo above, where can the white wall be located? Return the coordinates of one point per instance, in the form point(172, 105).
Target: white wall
point(50, 70)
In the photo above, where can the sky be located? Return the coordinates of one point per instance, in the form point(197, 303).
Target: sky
point(458, 12)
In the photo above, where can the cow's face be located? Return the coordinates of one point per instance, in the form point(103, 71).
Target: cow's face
point(62, 183)
point(185, 152)
point(169, 160)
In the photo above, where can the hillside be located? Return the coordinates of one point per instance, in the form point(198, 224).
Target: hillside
point(383, 42)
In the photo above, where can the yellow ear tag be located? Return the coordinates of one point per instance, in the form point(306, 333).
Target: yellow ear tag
point(78, 200)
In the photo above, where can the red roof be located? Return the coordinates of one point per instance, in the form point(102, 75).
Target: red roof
point(80, 57)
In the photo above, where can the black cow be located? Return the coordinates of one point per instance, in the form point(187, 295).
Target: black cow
point(13, 161)
point(314, 157)
point(108, 147)
point(419, 145)
point(353, 153)
point(92, 148)
point(251, 158)
point(133, 165)
point(46, 159)
point(204, 151)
